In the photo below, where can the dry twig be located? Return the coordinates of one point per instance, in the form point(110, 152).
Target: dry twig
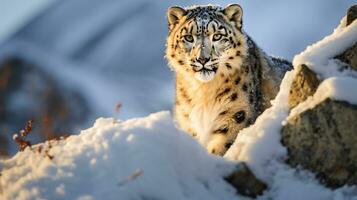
point(132, 177)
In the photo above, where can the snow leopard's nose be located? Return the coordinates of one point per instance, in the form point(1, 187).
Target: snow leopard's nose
point(202, 60)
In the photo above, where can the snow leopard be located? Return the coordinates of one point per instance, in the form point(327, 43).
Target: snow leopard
point(223, 79)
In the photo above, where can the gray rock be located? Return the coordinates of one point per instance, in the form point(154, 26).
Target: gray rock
point(351, 14)
point(350, 55)
point(245, 183)
point(303, 86)
point(324, 140)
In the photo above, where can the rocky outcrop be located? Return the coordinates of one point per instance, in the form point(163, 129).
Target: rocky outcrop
point(350, 55)
point(245, 183)
point(323, 139)
point(303, 86)
point(29, 93)
point(351, 14)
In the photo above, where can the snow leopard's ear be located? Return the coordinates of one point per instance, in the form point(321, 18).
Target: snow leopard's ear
point(234, 14)
point(174, 14)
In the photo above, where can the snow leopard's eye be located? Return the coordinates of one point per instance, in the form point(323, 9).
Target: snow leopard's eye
point(188, 38)
point(217, 37)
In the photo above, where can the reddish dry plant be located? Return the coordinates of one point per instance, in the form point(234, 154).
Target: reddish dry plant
point(28, 128)
point(23, 143)
point(132, 177)
point(40, 148)
point(49, 145)
point(118, 107)
point(48, 126)
point(21, 140)
point(48, 155)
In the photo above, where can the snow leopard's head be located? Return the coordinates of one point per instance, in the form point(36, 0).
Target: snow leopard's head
point(205, 40)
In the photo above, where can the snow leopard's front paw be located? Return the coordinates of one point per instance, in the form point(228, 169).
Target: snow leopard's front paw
point(217, 145)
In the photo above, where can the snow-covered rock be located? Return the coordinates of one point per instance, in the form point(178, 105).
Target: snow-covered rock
point(260, 144)
point(323, 140)
point(319, 133)
point(304, 85)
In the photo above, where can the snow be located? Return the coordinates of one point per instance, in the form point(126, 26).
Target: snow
point(143, 158)
point(319, 56)
point(336, 88)
point(338, 83)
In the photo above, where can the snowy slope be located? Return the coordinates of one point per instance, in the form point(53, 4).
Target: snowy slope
point(145, 158)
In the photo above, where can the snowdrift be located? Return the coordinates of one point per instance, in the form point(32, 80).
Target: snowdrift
point(145, 158)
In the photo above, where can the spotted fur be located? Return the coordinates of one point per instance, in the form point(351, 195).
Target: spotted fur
point(223, 80)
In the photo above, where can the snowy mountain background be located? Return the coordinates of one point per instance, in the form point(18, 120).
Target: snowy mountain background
point(105, 52)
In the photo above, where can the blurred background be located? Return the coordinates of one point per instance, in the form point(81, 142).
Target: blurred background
point(64, 63)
